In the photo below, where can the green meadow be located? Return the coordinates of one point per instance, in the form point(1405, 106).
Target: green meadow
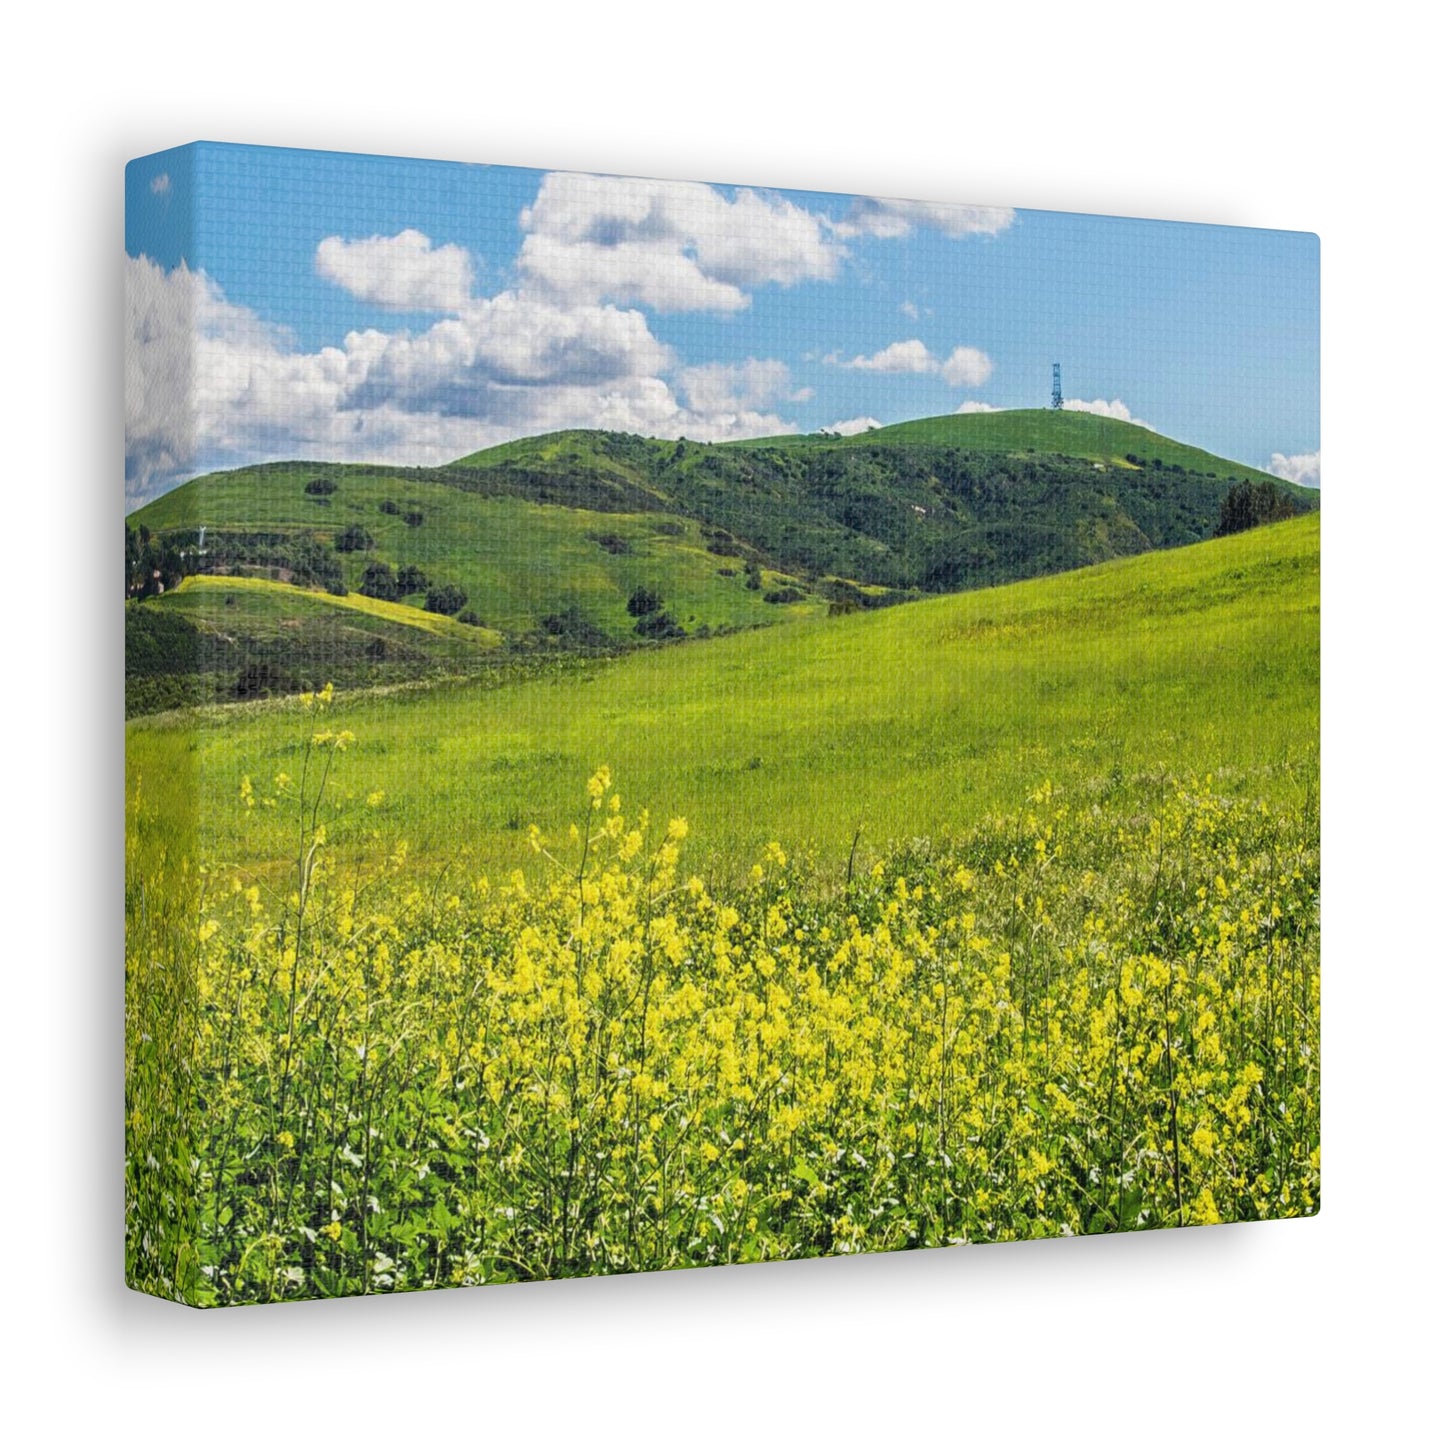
point(916, 721)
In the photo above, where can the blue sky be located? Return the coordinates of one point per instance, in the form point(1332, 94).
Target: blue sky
point(363, 307)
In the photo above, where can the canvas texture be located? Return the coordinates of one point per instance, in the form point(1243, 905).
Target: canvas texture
point(675, 723)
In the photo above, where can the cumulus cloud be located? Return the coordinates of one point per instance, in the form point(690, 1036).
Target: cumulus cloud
point(670, 245)
point(871, 216)
point(899, 358)
point(1100, 407)
point(964, 365)
point(970, 407)
point(1303, 468)
point(852, 427)
point(404, 272)
point(208, 385)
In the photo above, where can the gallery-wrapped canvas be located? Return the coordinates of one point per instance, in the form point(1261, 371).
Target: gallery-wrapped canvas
point(674, 724)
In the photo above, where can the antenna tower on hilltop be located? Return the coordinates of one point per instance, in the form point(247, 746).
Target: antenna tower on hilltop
point(1058, 400)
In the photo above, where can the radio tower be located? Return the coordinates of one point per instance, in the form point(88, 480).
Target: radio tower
point(1058, 400)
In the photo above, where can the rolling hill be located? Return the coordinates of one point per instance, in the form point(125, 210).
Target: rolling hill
point(550, 540)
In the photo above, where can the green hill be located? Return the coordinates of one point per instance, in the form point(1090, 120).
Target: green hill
point(549, 539)
point(915, 722)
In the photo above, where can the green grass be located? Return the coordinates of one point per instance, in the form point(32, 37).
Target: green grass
point(1043, 431)
point(916, 721)
point(518, 561)
point(257, 607)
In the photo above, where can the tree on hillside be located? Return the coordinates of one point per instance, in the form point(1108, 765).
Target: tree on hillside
point(643, 602)
point(354, 538)
point(411, 579)
point(379, 581)
point(1251, 504)
point(446, 599)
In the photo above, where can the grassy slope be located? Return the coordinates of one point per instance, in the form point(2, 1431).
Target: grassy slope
point(1068, 433)
point(516, 560)
point(258, 607)
point(913, 721)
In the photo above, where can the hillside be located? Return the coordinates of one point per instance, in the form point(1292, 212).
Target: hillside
point(546, 543)
point(939, 504)
point(914, 722)
point(1041, 432)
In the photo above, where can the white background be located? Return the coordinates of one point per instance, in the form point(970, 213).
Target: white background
point(1252, 114)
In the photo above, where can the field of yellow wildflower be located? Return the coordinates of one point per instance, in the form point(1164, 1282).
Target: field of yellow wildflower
point(365, 1079)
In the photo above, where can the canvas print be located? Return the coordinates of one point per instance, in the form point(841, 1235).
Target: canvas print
point(673, 723)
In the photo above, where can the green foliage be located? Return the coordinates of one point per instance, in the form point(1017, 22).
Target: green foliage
point(354, 538)
point(446, 599)
point(379, 581)
point(1252, 504)
point(658, 627)
point(410, 579)
point(783, 595)
point(320, 487)
point(151, 564)
point(643, 602)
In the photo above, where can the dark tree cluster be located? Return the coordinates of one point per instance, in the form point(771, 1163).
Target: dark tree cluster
point(1251, 504)
point(643, 602)
point(152, 564)
point(354, 538)
point(379, 581)
point(446, 599)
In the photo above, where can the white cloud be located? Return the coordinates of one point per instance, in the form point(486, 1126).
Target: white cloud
point(872, 216)
point(853, 427)
point(208, 385)
point(909, 310)
point(742, 384)
point(1100, 407)
point(1303, 468)
point(671, 245)
point(160, 184)
point(899, 358)
point(964, 366)
point(970, 407)
point(404, 272)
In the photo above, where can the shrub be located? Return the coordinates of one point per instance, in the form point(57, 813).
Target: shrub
point(411, 579)
point(262, 679)
point(446, 599)
point(470, 618)
point(644, 602)
point(414, 518)
point(320, 487)
point(783, 595)
point(379, 581)
point(658, 626)
point(390, 508)
point(611, 542)
point(1252, 504)
point(354, 538)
